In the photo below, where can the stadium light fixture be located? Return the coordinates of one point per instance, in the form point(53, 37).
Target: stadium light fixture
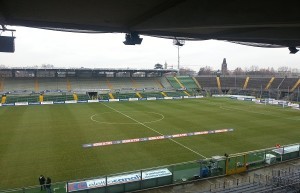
point(7, 43)
point(178, 43)
point(132, 38)
point(293, 50)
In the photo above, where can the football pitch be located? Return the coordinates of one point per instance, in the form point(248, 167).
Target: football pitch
point(49, 139)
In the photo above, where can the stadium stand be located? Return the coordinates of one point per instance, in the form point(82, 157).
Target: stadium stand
point(120, 83)
point(288, 83)
point(269, 83)
point(147, 83)
point(284, 180)
point(257, 83)
point(52, 84)
point(207, 82)
point(111, 95)
point(276, 83)
point(58, 97)
point(18, 84)
point(175, 93)
point(152, 94)
point(165, 83)
point(296, 85)
point(82, 97)
point(79, 84)
point(246, 82)
point(174, 83)
point(188, 82)
point(103, 96)
point(142, 87)
point(126, 95)
point(14, 99)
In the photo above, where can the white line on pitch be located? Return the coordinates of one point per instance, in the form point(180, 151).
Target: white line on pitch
point(154, 130)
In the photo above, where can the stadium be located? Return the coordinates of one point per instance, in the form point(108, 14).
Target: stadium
point(115, 130)
point(120, 123)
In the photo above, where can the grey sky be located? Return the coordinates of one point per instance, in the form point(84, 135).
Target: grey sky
point(64, 49)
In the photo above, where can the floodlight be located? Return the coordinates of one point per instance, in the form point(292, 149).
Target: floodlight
point(7, 43)
point(293, 50)
point(132, 38)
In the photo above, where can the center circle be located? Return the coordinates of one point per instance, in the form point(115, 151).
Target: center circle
point(127, 117)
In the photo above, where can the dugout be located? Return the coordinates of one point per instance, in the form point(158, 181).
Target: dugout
point(286, 153)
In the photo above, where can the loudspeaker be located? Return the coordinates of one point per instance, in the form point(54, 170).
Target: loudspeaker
point(7, 44)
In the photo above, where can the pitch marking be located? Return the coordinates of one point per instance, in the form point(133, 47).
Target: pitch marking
point(154, 130)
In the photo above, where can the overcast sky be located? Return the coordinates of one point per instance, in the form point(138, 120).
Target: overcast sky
point(64, 49)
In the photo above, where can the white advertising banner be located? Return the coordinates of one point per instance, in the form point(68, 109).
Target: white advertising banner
point(21, 103)
point(133, 99)
point(113, 100)
point(47, 103)
point(155, 173)
point(93, 101)
point(121, 179)
point(70, 102)
point(151, 98)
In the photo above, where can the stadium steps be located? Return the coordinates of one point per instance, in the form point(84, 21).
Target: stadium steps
point(75, 96)
point(197, 83)
point(160, 84)
point(173, 82)
point(134, 83)
point(280, 83)
point(296, 85)
point(219, 83)
point(41, 98)
point(246, 82)
point(111, 96)
point(270, 82)
point(164, 94)
point(69, 87)
point(1, 85)
point(109, 85)
point(3, 99)
point(139, 95)
point(186, 93)
point(178, 82)
point(36, 85)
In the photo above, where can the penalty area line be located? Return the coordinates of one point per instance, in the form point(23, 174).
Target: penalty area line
point(154, 130)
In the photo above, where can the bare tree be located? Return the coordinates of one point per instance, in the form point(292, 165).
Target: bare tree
point(238, 71)
point(207, 70)
point(187, 72)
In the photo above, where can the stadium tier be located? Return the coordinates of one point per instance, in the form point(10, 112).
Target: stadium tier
point(142, 87)
point(207, 82)
point(257, 83)
point(188, 82)
point(14, 99)
point(174, 82)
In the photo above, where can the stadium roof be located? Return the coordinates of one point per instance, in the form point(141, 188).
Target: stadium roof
point(264, 23)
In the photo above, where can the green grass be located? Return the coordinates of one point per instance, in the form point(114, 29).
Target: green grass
point(48, 139)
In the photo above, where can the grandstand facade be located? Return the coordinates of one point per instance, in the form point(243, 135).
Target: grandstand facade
point(37, 85)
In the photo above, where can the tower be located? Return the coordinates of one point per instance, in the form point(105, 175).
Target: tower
point(224, 67)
